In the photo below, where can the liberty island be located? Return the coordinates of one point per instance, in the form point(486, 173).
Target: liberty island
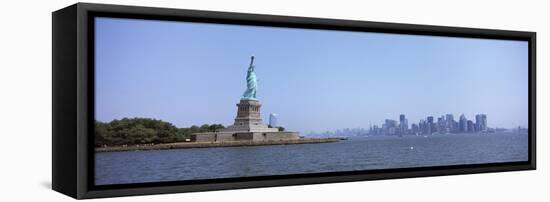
point(248, 124)
point(248, 128)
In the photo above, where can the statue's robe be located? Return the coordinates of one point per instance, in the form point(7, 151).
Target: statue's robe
point(251, 85)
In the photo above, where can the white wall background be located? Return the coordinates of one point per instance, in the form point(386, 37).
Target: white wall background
point(25, 99)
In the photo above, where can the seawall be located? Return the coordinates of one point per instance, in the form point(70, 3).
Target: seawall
point(190, 145)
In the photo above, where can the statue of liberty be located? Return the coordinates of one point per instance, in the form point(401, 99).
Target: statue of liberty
point(251, 82)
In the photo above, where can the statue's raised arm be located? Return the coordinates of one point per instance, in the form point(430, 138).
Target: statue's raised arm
point(251, 82)
point(251, 66)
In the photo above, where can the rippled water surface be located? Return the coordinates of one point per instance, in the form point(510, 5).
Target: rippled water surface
point(353, 154)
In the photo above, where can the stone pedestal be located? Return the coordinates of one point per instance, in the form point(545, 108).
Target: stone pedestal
point(248, 126)
point(249, 118)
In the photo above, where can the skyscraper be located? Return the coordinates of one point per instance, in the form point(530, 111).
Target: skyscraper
point(463, 124)
point(414, 128)
point(378, 130)
point(390, 127)
point(470, 126)
point(273, 120)
point(441, 125)
point(430, 125)
point(481, 122)
point(403, 124)
point(422, 127)
point(478, 122)
point(449, 118)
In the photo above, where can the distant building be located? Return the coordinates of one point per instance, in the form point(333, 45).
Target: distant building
point(403, 124)
point(430, 125)
point(375, 130)
point(422, 129)
point(450, 122)
point(406, 129)
point(390, 127)
point(273, 120)
point(471, 126)
point(414, 128)
point(484, 126)
point(442, 125)
point(463, 124)
point(371, 130)
point(478, 122)
point(481, 122)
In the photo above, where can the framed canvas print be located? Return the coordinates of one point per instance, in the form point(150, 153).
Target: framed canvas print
point(155, 100)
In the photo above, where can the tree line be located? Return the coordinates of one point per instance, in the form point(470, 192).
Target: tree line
point(132, 131)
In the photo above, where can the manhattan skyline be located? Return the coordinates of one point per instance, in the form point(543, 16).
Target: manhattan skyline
point(314, 80)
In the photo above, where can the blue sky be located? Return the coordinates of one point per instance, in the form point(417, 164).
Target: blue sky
point(315, 80)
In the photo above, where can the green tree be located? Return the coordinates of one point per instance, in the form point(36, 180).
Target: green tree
point(130, 131)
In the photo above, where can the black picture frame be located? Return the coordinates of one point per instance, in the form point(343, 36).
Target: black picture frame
point(73, 100)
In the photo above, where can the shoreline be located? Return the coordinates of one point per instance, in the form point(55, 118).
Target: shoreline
point(191, 145)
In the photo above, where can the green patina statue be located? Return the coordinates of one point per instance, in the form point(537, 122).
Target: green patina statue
point(251, 83)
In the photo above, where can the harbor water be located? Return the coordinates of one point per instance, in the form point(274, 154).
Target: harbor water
point(364, 153)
